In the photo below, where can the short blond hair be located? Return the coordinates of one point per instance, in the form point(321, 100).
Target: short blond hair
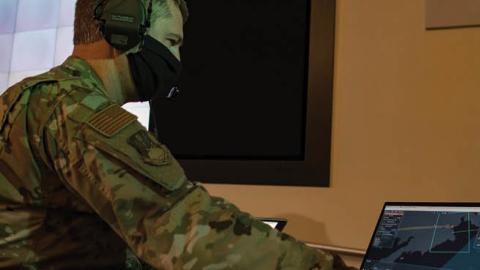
point(87, 30)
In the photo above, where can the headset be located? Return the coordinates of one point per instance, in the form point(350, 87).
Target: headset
point(123, 23)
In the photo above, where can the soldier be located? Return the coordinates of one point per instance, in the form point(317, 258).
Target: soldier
point(84, 186)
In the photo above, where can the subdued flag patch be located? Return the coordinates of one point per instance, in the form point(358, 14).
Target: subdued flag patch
point(111, 120)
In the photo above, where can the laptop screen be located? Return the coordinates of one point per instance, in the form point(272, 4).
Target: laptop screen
point(425, 237)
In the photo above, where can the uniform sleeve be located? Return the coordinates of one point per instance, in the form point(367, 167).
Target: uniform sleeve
point(135, 185)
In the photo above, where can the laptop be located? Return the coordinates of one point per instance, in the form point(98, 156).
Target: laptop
point(425, 236)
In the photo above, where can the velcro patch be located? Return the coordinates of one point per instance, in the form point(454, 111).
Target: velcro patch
point(111, 120)
point(93, 101)
point(151, 151)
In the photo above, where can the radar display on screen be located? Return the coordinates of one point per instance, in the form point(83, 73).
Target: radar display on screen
point(426, 238)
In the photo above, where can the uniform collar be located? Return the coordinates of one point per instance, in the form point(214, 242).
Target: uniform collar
point(79, 68)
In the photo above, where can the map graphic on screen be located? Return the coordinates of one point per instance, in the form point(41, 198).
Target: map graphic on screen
point(431, 238)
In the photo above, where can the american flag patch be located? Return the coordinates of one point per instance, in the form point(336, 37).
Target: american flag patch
point(111, 120)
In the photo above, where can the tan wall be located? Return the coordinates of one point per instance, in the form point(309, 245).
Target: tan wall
point(406, 125)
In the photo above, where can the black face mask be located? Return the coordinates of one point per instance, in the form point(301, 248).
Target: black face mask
point(155, 70)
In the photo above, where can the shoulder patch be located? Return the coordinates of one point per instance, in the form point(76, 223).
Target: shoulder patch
point(151, 151)
point(111, 120)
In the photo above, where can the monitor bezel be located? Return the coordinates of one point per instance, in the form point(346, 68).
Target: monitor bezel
point(314, 169)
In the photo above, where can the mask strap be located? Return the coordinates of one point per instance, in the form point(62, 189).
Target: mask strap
point(149, 13)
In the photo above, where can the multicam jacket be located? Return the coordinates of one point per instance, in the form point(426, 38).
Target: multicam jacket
point(82, 183)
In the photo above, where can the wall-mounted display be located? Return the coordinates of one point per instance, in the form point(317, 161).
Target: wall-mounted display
point(256, 98)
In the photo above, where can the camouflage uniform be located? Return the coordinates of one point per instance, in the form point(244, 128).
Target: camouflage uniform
point(82, 182)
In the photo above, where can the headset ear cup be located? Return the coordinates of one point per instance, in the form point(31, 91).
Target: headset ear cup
point(121, 22)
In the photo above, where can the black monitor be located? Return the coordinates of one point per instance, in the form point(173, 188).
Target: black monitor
point(256, 93)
